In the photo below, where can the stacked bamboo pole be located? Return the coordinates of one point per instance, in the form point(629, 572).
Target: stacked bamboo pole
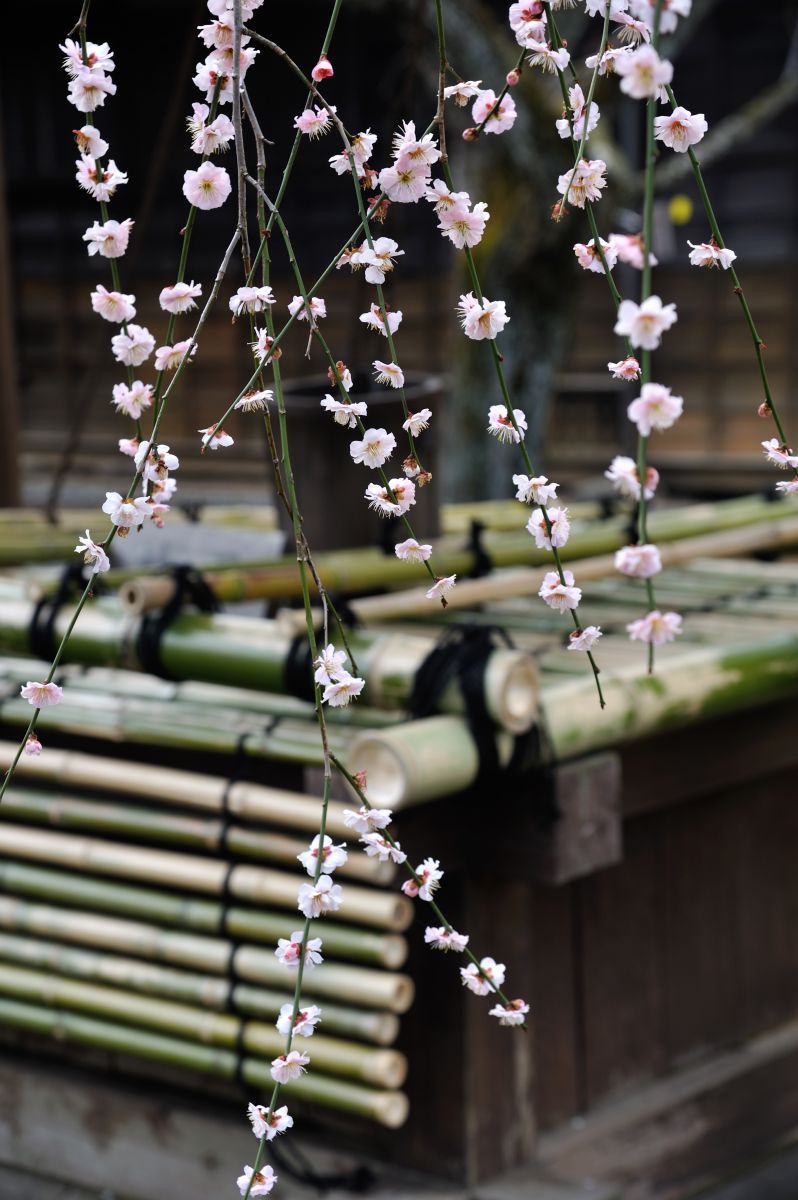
point(355, 572)
point(250, 652)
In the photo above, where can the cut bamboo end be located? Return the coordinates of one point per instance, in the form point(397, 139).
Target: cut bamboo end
point(419, 760)
point(144, 594)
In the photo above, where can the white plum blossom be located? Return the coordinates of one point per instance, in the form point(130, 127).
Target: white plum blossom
point(584, 182)
point(362, 145)
point(167, 358)
point(89, 141)
point(377, 258)
point(92, 553)
point(643, 324)
point(262, 1125)
point(655, 628)
point(560, 527)
point(643, 73)
point(180, 297)
point(88, 88)
point(41, 695)
point(429, 878)
point(332, 855)
point(412, 551)
point(444, 199)
point(367, 820)
point(779, 455)
point(390, 374)
point(133, 346)
point(441, 938)
point(374, 449)
point(416, 423)
point(405, 182)
point(126, 512)
point(318, 308)
point(258, 1183)
point(132, 399)
point(484, 978)
point(584, 639)
point(640, 562)
point(208, 187)
point(482, 318)
point(250, 299)
point(589, 258)
point(313, 121)
point(681, 129)
point(546, 57)
point(655, 408)
point(374, 319)
point(535, 489)
point(622, 474)
point(464, 226)
point(378, 846)
point(98, 57)
point(502, 115)
point(626, 368)
point(345, 688)
point(208, 139)
point(710, 254)
point(441, 587)
point(289, 949)
point(289, 1066)
point(558, 595)
point(505, 427)
point(214, 438)
point(329, 665)
point(113, 306)
point(255, 401)
point(109, 239)
point(402, 496)
point(629, 249)
point(303, 1025)
point(155, 462)
point(344, 413)
point(317, 899)
point(462, 92)
point(577, 102)
point(100, 182)
point(510, 1014)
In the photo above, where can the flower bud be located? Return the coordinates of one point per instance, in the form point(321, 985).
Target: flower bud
point(471, 134)
point(322, 70)
point(513, 77)
point(764, 409)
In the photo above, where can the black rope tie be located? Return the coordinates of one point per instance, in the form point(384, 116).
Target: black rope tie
point(483, 563)
point(298, 669)
point(190, 585)
point(461, 656)
point(41, 631)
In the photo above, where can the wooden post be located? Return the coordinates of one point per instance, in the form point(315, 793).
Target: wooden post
point(9, 400)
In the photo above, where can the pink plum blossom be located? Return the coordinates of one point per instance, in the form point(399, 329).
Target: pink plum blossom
point(680, 129)
point(655, 627)
point(208, 187)
point(655, 408)
point(643, 324)
point(584, 639)
point(41, 695)
point(484, 978)
point(109, 239)
point(640, 562)
point(501, 118)
point(558, 595)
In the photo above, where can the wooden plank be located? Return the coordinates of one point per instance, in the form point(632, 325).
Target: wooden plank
point(701, 846)
point(683, 1134)
point(586, 833)
point(622, 965)
point(768, 923)
point(556, 1005)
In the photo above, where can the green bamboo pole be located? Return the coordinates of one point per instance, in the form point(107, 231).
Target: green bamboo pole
point(249, 652)
point(257, 885)
point(252, 964)
point(204, 991)
point(191, 833)
point(359, 571)
point(384, 1107)
point(192, 915)
point(381, 1067)
point(691, 684)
